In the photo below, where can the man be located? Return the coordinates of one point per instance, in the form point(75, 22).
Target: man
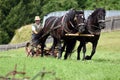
point(36, 28)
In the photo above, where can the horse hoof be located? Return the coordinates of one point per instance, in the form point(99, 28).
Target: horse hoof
point(78, 58)
point(88, 58)
point(59, 57)
point(83, 59)
point(41, 55)
point(65, 58)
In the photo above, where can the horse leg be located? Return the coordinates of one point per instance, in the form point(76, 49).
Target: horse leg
point(63, 47)
point(38, 50)
point(70, 44)
point(42, 49)
point(79, 50)
point(59, 49)
point(65, 44)
point(94, 45)
point(67, 52)
point(32, 50)
point(42, 46)
point(84, 51)
point(53, 47)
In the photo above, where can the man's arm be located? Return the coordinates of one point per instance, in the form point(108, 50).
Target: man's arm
point(34, 31)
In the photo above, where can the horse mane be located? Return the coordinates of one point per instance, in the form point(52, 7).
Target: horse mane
point(97, 10)
point(71, 14)
point(67, 18)
point(79, 12)
point(94, 14)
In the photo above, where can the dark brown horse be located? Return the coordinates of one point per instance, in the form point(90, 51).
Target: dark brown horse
point(78, 28)
point(57, 27)
point(94, 24)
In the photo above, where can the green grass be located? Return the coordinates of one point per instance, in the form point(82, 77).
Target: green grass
point(105, 64)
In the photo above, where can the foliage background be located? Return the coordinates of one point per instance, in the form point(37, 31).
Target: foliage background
point(16, 13)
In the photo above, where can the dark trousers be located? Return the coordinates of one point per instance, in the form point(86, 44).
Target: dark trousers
point(35, 41)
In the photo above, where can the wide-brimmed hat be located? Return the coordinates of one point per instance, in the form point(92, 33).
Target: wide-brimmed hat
point(37, 18)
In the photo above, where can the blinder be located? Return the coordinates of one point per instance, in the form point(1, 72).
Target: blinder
point(75, 18)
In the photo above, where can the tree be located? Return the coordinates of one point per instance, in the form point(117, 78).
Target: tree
point(16, 13)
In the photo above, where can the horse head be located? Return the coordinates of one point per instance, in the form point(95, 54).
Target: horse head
point(100, 17)
point(80, 21)
point(76, 19)
point(96, 21)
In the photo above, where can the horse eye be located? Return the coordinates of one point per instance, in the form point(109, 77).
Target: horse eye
point(82, 16)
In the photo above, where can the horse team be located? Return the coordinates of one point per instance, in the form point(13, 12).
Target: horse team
point(71, 23)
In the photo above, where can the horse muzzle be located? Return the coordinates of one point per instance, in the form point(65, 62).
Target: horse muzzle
point(81, 27)
point(101, 24)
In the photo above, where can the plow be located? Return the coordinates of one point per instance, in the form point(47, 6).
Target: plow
point(47, 52)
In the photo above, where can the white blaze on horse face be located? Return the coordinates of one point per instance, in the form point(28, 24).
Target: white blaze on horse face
point(75, 18)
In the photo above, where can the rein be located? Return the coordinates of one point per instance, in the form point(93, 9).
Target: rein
point(81, 24)
point(98, 22)
point(92, 31)
point(49, 29)
point(65, 28)
point(96, 27)
point(49, 21)
point(71, 24)
point(54, 23)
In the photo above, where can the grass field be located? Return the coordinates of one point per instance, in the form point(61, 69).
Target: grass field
point(105, 64)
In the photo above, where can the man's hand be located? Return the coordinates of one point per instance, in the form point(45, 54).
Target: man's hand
point(35, 32)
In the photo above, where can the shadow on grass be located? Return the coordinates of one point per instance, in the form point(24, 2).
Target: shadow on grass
point(107, 60)
point(5, 56)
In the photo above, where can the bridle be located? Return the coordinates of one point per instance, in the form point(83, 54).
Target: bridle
point(100, 21)
point(95, 27)
point(76, 27)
